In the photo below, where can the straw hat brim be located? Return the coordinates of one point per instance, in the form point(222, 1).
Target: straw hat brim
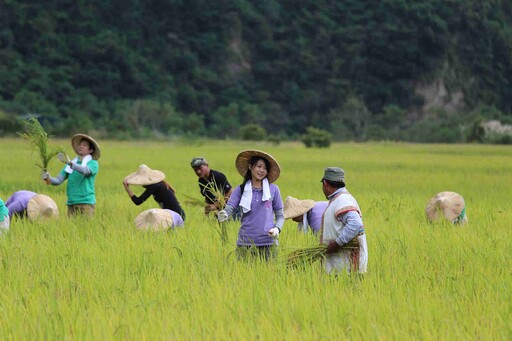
point(242, 163)
point(75, 141)
point(154, 219)
point(144, 176)
point(445, 204)
point(294, 207)
point(42, 206)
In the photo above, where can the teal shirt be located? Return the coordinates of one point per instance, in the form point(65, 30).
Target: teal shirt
point(80, 188)
point(4, 211)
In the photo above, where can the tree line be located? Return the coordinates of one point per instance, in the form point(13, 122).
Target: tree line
point(211, 68)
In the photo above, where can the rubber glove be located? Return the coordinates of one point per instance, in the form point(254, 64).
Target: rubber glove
point(64, 158)
point(274, 232)
point(222, 216)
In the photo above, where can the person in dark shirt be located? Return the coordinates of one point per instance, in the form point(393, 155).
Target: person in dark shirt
point(212, 184)
point(153, 182)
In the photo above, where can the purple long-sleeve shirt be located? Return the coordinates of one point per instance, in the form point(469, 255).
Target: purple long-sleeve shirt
point(17, 202)
point(260, 219)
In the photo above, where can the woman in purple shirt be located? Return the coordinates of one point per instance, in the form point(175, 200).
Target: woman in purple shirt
point(260, 201)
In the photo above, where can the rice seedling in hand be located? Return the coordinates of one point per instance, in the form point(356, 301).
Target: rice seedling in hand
point(38, 137)
point(193, 201)
point(218, 199)
point(311, 254)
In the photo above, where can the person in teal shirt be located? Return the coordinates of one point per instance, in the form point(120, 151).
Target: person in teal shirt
point(80, 173)
point(4, 218)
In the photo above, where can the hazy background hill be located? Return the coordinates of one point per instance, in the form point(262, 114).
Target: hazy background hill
point(403, 70)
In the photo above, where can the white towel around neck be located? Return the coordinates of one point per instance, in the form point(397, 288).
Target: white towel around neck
point(305, 223)
point(246, 200)
point(86, 159)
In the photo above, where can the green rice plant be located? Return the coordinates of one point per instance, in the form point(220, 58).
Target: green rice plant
point(219, 199)
point(38, 137)
point(102, 279)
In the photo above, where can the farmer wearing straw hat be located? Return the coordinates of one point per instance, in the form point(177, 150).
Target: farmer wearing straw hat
point(261, 204)
point(210, 181)
point(449, 206)
point(4, 218)
point(153, 182)
point(157, 219)
point(342, 223)
point(306, 213)
point(32, 205)
point(81, 173)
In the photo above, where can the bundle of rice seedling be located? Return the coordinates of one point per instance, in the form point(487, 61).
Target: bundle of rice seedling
point(193, 201)
point(218, 197)
point(37, 136)
point(311, 254)
point(305, 256)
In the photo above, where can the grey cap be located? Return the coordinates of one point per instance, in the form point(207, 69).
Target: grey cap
point(198, 161)
point(334, 174)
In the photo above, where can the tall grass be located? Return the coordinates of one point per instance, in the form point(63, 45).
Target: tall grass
point(75, 278)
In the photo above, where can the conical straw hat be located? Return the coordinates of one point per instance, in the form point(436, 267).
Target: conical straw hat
point(243, 159)
point(145, 176)
point(75, 141)
point(448, 205)
point(42, 206)
point(294, 207)
point(154, 219)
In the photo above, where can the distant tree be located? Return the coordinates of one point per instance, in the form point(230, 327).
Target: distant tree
point(315, 137)
point(253, 132)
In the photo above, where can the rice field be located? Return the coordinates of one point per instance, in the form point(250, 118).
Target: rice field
point(101, 279)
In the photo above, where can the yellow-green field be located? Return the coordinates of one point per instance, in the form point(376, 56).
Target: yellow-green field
point(102, 279)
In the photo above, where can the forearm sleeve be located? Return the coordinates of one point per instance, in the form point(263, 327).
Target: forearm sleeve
point(279, 219)
point(81, 169)
point(352, 224)
point(229, 210)
point(58, 180)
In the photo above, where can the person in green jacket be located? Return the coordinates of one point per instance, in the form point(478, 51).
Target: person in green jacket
point(80, 173)
point(4, 218)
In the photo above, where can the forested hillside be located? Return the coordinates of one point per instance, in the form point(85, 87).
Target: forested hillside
point(393, 69)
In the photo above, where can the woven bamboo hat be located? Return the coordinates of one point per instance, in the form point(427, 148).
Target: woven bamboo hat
point(75, 141)
point(448, 205)
point(42, 206)
point(242, 163)
point(145, 176)
point(154, 219)
point(294, 207)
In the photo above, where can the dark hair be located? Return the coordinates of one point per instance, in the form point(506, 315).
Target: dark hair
point(335, 184)
point(252, 162)
point(91, 145)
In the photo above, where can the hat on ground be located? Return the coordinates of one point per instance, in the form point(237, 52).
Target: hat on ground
point(243, 159)
point(334, 174)
point(449, 205)
point(42, 206)
point(154, 219)
point(198, 161)
point(75, 141)
point(144, 176)
point(294, 207)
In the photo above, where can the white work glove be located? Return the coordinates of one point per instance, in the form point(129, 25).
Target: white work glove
point(64, 158)
point(222, 216)
point(45, 175)
point(273, 232)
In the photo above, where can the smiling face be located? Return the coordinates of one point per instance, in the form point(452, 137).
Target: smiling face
point(85, 148)
point(259, 170)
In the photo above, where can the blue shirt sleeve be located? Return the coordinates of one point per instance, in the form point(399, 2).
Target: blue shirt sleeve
point(352, 224)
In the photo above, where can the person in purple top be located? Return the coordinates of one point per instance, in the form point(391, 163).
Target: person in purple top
point(261, 204)
point(306, 213)
point(18, 201)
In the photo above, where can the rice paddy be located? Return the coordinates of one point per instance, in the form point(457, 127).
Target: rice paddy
point(102, 279)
